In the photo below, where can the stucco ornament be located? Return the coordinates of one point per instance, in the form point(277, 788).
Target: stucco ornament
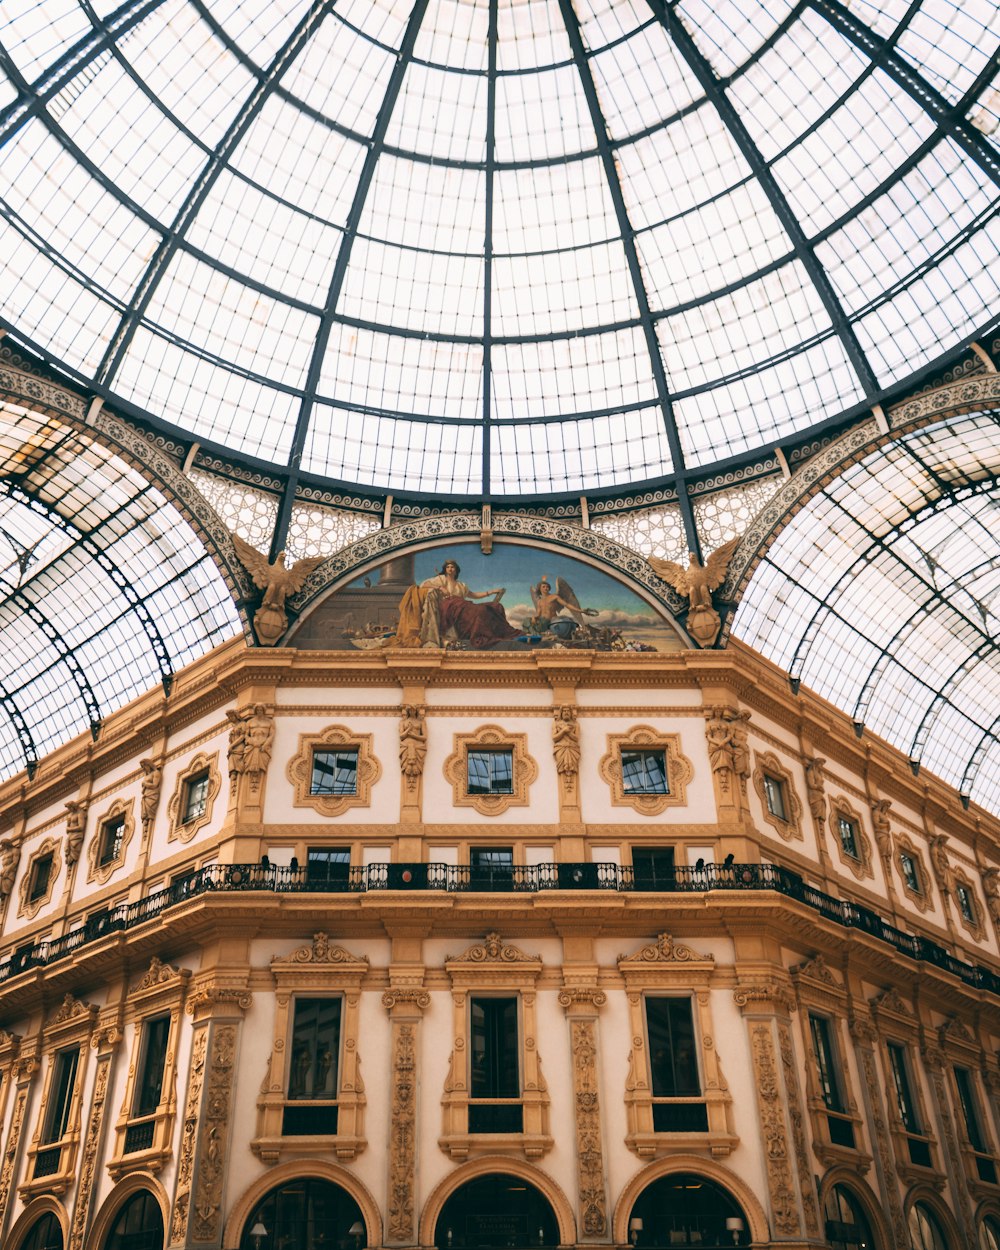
point(277, 580)
point(76, 823)
point(152, 778)
point(9, 856)
point(696, 583)
point(412, 741)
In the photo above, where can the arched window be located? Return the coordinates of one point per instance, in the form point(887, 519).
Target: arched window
point(925, 1231)
point(306, 1214)
point(45, 1234)
point(685, 1209)
point(989, 1233)
point(847, 1226)
point(139, 1225)
point(496, 1210)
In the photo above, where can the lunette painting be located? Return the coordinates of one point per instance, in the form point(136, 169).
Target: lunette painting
point(516, 598)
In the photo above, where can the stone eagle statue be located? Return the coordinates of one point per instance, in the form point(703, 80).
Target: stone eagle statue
point(277, 581)
point(696, 583)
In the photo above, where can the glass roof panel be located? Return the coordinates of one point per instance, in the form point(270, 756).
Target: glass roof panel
point(456, 103)
point(642, 81)
point(951, 42)
point(41, 31)
point(728, 32)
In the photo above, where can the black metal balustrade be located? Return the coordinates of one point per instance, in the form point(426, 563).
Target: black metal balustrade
point(449, 878)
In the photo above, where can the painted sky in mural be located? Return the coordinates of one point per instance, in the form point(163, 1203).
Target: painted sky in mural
point(550, 601)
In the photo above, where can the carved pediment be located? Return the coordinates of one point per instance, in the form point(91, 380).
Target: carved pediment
point(70, 1008)
point(158, 973)
point(322, 951)
point(955, 1030)
point(890, 1001)
point(493, 950)
point(665, 950)
point(816, 969)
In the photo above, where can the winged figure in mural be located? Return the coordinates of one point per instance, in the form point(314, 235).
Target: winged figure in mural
point(277, 581)
point(550, 608)
point(696, 583)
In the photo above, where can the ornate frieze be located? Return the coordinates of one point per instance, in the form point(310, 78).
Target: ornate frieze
point(402, 1137)
point(91, 1145)
point(780, 1181)
point(796, 1119)
point(582, 1004)
point(213, 1134)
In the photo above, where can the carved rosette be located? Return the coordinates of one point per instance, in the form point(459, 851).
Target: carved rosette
point(88, 1169)
point(780, 1182)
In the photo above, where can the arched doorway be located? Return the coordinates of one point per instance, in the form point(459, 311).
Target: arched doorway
point(989, 1233)
point(305, 1214)
point(44, 1234)
point(498, 1210)
point(138, 1225)
point(685, 1209)
point(925, 1229)
point(847, 1225)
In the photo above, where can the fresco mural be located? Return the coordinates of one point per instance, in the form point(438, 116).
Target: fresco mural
point(517, 598)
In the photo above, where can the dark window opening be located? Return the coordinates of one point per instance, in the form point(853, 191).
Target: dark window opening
point(644, 772)
point(334, 772)
point(826, 1064)
point(653, 867)
point(152, 1062)
point(60, 1095)
point(848, 831)
point(965, 903)
point(46, 1234)
point(911, 873)
point(41, 874)
point(139, 1225)
point(306, 1214)
point(970, 1112)
point(673, 1059)
point(490, 772)
point(904, 1097)
point(325, 865)
point(195, 798)
point(112, 841)
point(491, 866)
point(315, 1050)
point(686, 1209)
point(496, 1211)
point(495, 1068)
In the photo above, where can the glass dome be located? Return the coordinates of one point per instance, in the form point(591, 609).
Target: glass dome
point(498, 248)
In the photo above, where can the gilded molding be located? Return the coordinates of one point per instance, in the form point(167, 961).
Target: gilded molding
point(28, 908)
point(181, 830)
point(299, 770)
point(679, 769)
point(10, 1154)
point(490, 737)
point(780, 1182)
point(403, 1135)
point(189, 1138)
point(796, 1118)
point(590, 1158)
point(214, 1134)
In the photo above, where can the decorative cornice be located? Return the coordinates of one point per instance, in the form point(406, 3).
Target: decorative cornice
point(589, 995)
point(209, 995)
point(397, 995)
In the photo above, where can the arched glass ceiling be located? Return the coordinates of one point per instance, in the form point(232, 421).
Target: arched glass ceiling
point(498, 247)
point(882, 594)
point(105, 590)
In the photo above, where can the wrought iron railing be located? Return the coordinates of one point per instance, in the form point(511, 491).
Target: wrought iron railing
point(450, 878)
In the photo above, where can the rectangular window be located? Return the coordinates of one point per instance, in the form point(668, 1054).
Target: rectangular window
point(195, 797)
point(495, 1072)
point(491, 867)
point(826, 1064)
point(153, 1058)
point(911, 873)
point(774, 796)
point(848, 830)
point(41, 871)
point(970, 1113)
point(901, 1080)
point(328, 865)
point(490, 772)
point(673, 1067)
point(334, 772)
point(644, 772)
point(965, 903)
point(313, 1068)
point(112, 838)
point(60, 1096)
point(653, 867)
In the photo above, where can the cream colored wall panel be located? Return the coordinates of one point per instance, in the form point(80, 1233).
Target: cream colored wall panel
point(637, 696)
point(486, 697)
point(335, 698)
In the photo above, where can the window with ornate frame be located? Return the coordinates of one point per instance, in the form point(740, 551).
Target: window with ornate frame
point(975, 1138)
point(313, 1096)
point(912, 873)
point(520, 769)
point(852, 843)
point(39, 878)
point(195, 791)
point(108, 848)
point(970, 912)
point(780, 804)
point(625, 779)
point(331, 789)
point(145, 1123)
point(495, 1098)
point(914, 1143)
point(677, 1100)
point(52, 1154)
point(837, 1126)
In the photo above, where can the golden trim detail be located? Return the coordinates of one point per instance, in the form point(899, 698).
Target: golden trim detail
point(861, 864)
point(200, 763)
point(770, 765)
point(299, 770)
point(490, 737)
point(101, 872)
point(644, 738)
point(28, 909)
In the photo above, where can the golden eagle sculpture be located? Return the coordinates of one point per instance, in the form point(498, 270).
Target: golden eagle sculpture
point(277, 581)
point(696, 583)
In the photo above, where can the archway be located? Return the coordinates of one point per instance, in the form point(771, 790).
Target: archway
point(306, 1213)
point(686, 1209)
point(498, 1209)
point(46, 1233)
point(847, 1225)
point(138, 1224)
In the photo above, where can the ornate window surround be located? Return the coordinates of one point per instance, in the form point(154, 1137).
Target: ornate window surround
point(160, 991)
point(960, 1047)
point(70, 1028)
point(200, 763)
point(490, 737)
point(977, 925)
point(861, 867)
point(666, 969)
point(767, 763)
point(317, 970)
point(895, 1022)
point(494, 966)
point(299, 770)
point(645, 738)
point(922, 899)
point(101, 872)
point(820, 993)
point(28, 907)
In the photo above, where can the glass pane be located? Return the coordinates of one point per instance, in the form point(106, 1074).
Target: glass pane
point(315, 1049)
point(151, 1077)
point(672, 1058)
point(334, 772)
point(490, 772)
point(644, 772)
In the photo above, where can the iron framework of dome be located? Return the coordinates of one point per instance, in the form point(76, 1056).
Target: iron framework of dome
point(660, 255)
